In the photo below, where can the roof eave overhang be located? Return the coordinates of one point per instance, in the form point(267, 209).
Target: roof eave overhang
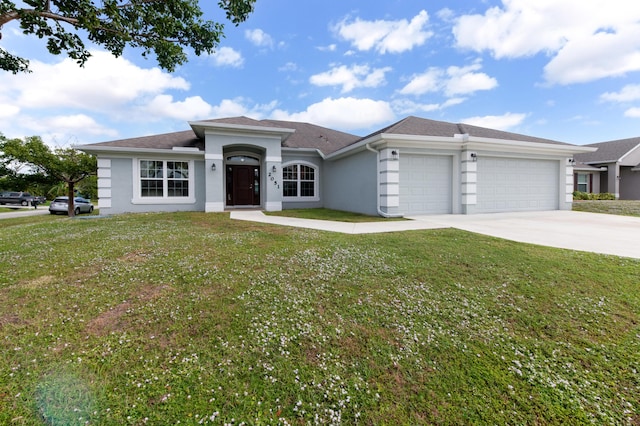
point(303, 151)
point(461, 142)
point(202, 127)
point(488, 144)
point(628, 153)
point(96, 150)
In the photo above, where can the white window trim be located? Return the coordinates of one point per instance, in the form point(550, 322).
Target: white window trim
point(585, 183)
point(316, 186)
point(137, 184)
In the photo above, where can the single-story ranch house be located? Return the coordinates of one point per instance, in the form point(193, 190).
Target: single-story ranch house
point(413, 167)
point(613, 168)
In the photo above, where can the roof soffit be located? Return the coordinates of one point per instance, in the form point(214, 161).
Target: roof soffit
point(200, 128)
point(461, 142)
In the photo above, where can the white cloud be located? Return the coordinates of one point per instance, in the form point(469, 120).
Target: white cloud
point(629, 93)
point(429, 81)
point(632, 112)
point(61, 130)
point(347, 114)
point(386, 36)
point(105, 84)
point(329, 48)
point(289, 66)
point(453, 81)
point(499, 122)
point(63, 100)
point(192, 108)
point(586, 40)
point(241, 106)
point(464, 80)
point(226, 56)
point(7, 110)
point(351, 77)
point(407, 107)
point(76, 123)
point(598, 56)
point(259, 38)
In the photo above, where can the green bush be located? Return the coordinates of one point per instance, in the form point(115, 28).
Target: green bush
point(577, 195)
point(605, 196)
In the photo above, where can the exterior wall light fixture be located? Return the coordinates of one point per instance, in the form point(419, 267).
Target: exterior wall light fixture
point(474, 157)
point(213, 167)
point(273, 169)
point(395, 155)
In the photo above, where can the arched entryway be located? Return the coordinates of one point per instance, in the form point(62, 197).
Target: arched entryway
point(242, 179)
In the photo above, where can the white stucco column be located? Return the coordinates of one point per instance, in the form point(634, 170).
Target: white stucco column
point(273, 180)
point(214, 179)
point(469, 183)
point(104, 183)
point(568, 185)
point(613, 181)
point(389, 180)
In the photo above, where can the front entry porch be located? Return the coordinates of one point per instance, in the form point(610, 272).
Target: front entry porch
point(242, 185)
point(243, 176)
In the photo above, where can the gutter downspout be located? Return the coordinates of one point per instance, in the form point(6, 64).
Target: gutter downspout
point(380, 212)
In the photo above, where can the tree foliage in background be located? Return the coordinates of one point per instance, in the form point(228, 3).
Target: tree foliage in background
point(66, 165)
point(163, 27)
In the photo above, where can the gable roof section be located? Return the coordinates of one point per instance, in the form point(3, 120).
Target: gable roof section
point(609, 152)
point(425, 127)
point(315, 137)
point(306, 135)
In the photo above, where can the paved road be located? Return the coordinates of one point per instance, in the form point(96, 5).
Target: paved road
point(23, 211)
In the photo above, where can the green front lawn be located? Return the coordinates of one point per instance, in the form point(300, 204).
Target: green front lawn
point(193, 318)
point(619, 207)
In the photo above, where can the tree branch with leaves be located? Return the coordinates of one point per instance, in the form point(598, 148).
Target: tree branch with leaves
point(162, 27)
point(68, 165)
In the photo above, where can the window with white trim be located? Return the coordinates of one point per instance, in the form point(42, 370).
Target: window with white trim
point(583, 182)
point(164, 179)
point(299, 181)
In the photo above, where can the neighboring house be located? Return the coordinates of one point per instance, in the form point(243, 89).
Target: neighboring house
point(415, 166)
point(616, 168)
point(586, 178)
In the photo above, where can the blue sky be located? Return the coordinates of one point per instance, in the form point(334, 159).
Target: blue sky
point(567, 70)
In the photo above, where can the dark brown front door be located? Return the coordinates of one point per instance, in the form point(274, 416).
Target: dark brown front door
point(243, 186)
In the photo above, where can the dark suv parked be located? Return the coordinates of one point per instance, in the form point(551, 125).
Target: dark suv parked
point(22, 198)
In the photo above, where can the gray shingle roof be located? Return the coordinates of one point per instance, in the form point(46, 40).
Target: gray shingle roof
point(306, 135)
point(424, 127)
point(326, 140)
point(316, 137)
point(608, 152)
point(185, 138)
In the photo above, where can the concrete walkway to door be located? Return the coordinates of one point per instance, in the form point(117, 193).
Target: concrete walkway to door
point(591, 232)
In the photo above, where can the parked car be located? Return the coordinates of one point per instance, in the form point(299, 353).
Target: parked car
point(61, 205)
point(21, 198)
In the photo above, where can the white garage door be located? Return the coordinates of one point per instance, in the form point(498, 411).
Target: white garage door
point(425, 184)
point(510, 184)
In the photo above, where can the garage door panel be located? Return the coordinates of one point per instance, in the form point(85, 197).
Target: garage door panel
point(516, 185)
point(425, 184)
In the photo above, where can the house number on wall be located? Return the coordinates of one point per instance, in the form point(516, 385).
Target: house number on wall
point(275, 182)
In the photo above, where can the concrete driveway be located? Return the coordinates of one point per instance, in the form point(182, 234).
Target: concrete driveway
point(592, 232)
